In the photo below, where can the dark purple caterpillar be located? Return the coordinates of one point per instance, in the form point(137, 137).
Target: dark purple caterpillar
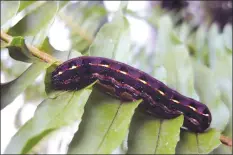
point(128, 83)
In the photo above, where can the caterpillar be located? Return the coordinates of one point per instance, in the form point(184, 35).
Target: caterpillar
point(129, 84)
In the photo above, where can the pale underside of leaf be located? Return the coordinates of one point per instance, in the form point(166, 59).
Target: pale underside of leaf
point(207, 90)
point(51, 115)
point(202, 143)
point(83, 19)
point(9, 91)
point(35, 20)
point(25, 4)
point(150, 135)
point(104, 125)
point(180, 72)
point(8, 10)
point(113, 40)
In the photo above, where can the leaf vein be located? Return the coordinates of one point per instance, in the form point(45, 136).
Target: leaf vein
point(109, 128)
point(160, 122)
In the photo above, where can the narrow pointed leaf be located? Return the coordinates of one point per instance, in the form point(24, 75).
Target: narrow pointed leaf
point(209, 94)
point(51, 115)
point(202, 143)
point(36, 20)
point(164, 42)
point(8, 10)
point(104, 137)
point(104, 126)
point(227, 36)
point(19, 51)
point(113, 44)
point(223, 149)
point(25, 4)
point(48, 48)
point(9, 91)
point(180, 73)
point(83, 19)
point(150, 135)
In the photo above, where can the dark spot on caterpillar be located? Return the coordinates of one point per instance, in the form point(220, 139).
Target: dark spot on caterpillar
point(121, 80)
point(104, 72)
point(86, 62)
point(72, 64)
point(103, 62)
point(157, 99)
point(192, 104)
point(176, 99)
point(188, 114)
point(206, 111)
point(124, 69)
point(162, 89)
point(128, 83)
point(139, 88)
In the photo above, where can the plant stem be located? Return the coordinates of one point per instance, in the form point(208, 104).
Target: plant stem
point(5, 37)
point(226, 140)
point(35, 51)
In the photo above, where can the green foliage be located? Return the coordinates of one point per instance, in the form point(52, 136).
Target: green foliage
point(83, 19)
point(191, 143)
point(104, 126)
point(116, 43)
point(197, 64)
point(10, 90)
point(153, 136)
point(32, 23)
point(51, 114)
point(9, 10)
point(18, 50)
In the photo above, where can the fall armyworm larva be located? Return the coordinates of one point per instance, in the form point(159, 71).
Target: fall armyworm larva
point(128, 84)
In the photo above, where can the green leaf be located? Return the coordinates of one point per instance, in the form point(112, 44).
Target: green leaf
point(39, 40)
point(41, 33)
point(51, 115)
point(60, 55)
point(104, 126)
point(48, 87)
point(175, 38)
point(123, 5)
point(35, 20)
point(93, 137)
point(164, 42)
point(154, 17)
point(9, 91)
point(113, 44)
point(140, 59)
point(150, 135)
point(179, 75)
point(200, 39)
point(184, 31)
point(47, 47)
point(206, 87)
point(83, 19)
point(25, 4)
point(227, 36)
point(8, 10)
point(19, 51)
point(214, 44)
point(178, 70)
point(223, 149)
point(202, 143)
